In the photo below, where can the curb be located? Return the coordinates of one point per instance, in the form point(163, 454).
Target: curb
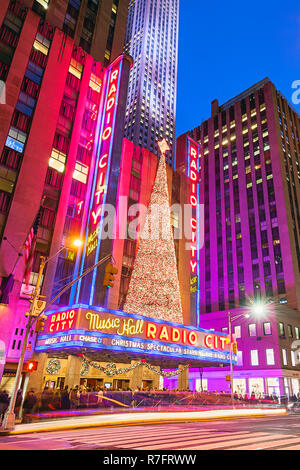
point(143, 422)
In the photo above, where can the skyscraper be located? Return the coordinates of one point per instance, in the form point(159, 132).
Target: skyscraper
point(96, 26)
point(152, 41)
point(250, 162)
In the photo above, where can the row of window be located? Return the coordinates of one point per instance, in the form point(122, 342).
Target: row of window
point(269, 357)
point(292, 332)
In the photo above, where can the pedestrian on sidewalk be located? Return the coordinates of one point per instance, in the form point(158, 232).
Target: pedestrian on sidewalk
point(28, 406)
point(4, 402)
point(18, 404)
point(65, 399)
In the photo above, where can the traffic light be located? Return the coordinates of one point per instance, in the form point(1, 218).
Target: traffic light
point(40, 324)
point(234, 347)
point(109, 278)
point(31, 366)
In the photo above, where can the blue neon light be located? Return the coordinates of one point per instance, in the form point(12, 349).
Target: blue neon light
point(106, 183)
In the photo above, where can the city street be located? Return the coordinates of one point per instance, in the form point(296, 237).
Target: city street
point(276, 433)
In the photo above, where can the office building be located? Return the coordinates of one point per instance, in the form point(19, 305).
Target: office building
point(249, 170)
point(250, 159)
point(152, 41)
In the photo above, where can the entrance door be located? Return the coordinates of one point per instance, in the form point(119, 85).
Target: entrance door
point(119, 384)
point(147, 384)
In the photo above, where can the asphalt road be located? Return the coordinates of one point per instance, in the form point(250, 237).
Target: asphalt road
point(274, 433)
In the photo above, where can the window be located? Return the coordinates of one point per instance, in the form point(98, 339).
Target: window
point(239, 358)
point(252, 329)
point(81, 172)
point(41, 44)
point(297, 332)
point(95, 83)
point(16, 139)
point(254, 357)
point(75, 68)
point(284, 357)
point(281, 329)
point(57, 160)
point(293, 358)
point(237, 332)
point(267, 328)
point(290, 331)
point(270, 357)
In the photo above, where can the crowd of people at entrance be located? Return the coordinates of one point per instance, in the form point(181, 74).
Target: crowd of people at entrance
point(79, 397)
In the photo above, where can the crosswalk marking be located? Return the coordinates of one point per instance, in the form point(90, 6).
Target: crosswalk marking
point(136, 434)
point(137, 439)
point(280, 442)
point(191, 441)
point(256, 438)
point(166, 437)
point(291, 447)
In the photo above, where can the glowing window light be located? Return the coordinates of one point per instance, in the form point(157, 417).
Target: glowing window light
point(57, 161)
point(81, 172)
point(75, 68)
point(95, 83)
point(41, 44)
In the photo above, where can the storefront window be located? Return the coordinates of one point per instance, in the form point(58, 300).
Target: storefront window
point(256, 386)
point(273, 386)
point(239, 386)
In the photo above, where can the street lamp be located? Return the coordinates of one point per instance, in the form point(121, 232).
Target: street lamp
point(9, 418)
point(258, 309)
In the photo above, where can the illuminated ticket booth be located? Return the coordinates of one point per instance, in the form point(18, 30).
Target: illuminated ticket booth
point(79, 336)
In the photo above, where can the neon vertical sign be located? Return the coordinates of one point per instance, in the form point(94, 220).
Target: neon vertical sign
point(193, 173)
point(106, 154)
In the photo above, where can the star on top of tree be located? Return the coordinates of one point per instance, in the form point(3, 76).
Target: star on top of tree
point(163, 146)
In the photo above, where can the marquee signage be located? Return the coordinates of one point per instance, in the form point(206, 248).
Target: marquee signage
point(109, 329)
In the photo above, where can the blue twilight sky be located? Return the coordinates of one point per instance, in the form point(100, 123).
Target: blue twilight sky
point(227, 46)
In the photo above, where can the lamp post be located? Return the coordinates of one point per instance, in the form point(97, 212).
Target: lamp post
point(9, 418)
point(257, 309)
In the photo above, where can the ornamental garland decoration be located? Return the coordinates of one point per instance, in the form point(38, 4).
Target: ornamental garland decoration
point(53, 366)
point(111, 369)
point(84, 368)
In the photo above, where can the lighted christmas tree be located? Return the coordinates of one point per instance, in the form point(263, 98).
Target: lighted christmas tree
point(154, 287)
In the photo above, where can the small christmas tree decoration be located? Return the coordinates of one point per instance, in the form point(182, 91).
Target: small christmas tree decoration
point(154, 286)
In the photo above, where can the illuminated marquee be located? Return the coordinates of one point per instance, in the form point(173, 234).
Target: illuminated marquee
point(108, 329)
point(61, 321)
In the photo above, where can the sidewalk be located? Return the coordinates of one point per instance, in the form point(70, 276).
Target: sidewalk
point(93, 418)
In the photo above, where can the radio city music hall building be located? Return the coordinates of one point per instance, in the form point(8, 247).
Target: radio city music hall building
point(250, 167)
point(62, 147)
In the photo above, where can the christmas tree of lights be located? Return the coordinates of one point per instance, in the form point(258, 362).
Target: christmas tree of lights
point(154, 286)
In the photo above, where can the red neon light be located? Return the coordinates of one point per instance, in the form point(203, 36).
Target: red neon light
point(171, 334)
point(194, 177)
point(110, 107)
point(62, 321)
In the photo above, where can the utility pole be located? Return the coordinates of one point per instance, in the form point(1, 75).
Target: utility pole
point(9, 418)
point(231, 367)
